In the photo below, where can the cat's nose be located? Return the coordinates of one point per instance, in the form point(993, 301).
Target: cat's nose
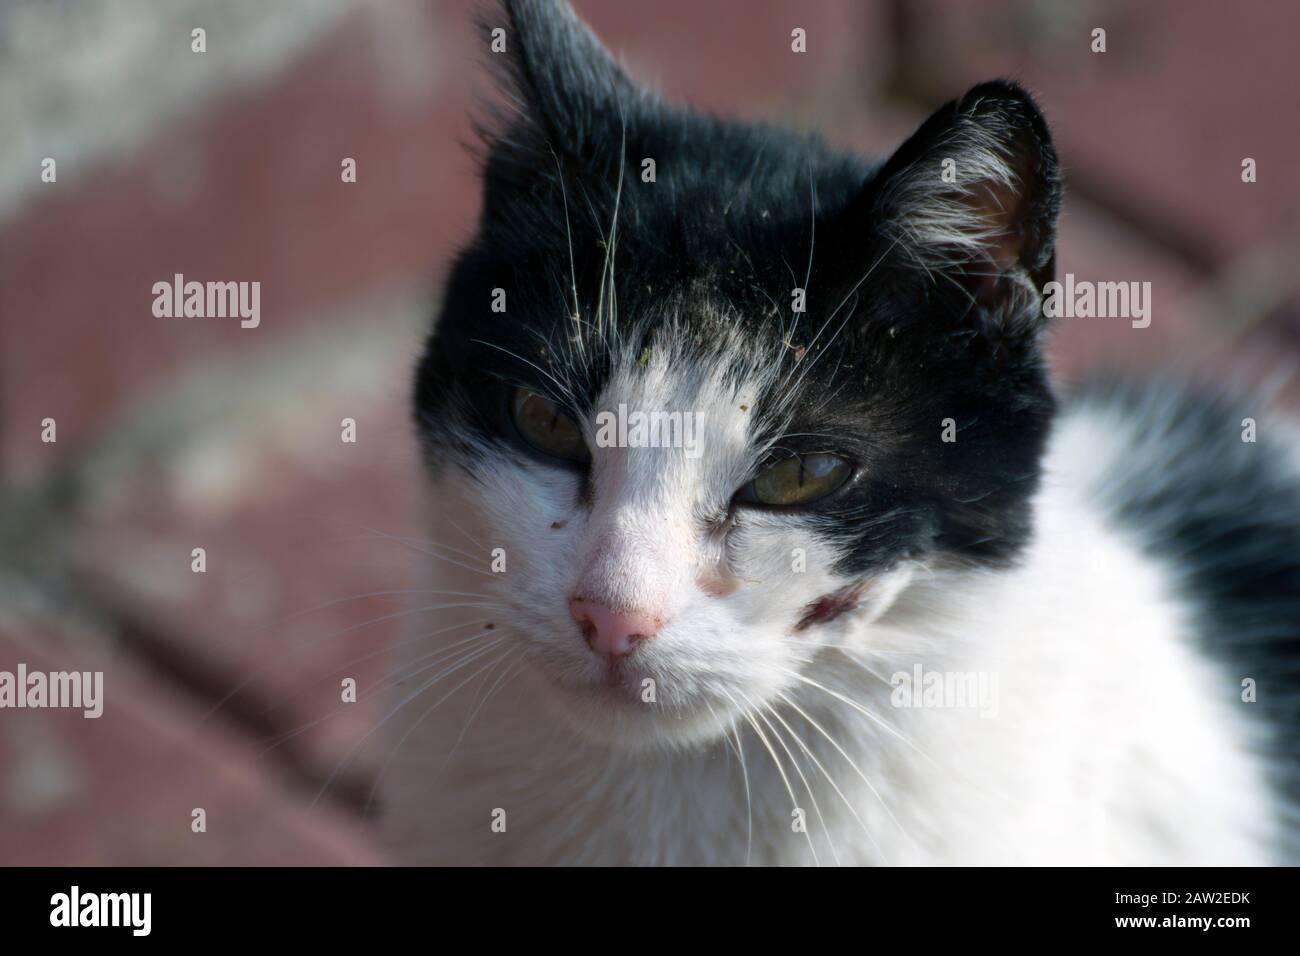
point(612, 633)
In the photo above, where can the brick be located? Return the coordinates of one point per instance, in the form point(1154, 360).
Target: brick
point(120, 789)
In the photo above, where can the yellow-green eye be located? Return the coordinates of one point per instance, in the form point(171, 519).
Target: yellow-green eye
point(546, 428)
point(798, 480)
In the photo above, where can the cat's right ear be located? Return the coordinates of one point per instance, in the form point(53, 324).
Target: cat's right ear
point(571, 95)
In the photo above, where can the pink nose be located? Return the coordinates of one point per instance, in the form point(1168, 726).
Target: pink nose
point(612, 633)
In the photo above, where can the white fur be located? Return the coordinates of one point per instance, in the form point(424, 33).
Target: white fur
point(1107, 746)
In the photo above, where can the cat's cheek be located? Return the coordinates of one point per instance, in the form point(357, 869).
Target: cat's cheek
point(857, 604)
point(531, 505)
point(784, 567)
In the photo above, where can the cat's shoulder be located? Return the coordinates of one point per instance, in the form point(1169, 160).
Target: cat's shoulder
point(1207, 485)
point(1151, 447)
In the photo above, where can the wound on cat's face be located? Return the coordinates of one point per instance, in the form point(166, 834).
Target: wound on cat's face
point(721, 411)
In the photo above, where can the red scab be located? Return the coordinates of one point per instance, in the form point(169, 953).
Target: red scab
point(830, 606)
point(557, 525)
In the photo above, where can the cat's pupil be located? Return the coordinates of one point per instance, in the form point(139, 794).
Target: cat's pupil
point(799, 479)
point(546, 428)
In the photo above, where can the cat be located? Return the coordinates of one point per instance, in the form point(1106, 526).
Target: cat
point(904, 605)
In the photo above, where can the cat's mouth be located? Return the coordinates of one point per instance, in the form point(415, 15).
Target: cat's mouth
point(615, 681)
point(615, 675)
point(625, 705)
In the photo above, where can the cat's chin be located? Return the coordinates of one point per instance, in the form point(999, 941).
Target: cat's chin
point(617, 717)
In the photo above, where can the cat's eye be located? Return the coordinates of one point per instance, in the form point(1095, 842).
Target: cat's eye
point(543, 425)
point(797, 480)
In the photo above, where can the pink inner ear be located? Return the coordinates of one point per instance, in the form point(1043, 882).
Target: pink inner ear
point(999, 209)
point(999, 205)
point(995, 210)
point(1002, 206)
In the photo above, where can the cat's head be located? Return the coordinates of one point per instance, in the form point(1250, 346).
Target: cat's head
point(717, 390)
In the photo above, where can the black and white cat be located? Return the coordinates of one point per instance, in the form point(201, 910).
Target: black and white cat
point(788, 551)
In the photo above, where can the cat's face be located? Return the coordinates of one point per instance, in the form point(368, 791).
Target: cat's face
point(716, 416)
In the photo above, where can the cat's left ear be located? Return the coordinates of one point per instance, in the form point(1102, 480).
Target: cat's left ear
point(972, 197)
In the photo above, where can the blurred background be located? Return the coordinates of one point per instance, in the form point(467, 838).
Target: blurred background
point(223, 688)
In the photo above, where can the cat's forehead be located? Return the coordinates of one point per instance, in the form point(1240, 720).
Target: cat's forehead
point(738, 376)
point(684, 408)
point(703, 349)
